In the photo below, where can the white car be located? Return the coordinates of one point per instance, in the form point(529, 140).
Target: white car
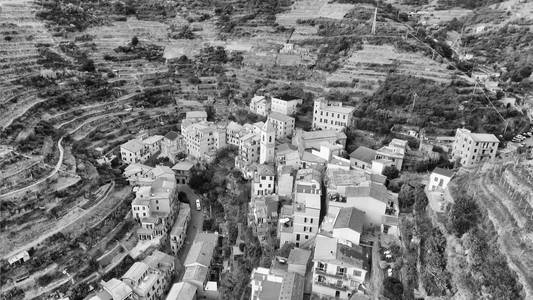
point(198, 205)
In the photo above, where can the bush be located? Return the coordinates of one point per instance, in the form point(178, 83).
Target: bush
point(393, 288)
point(463, 215)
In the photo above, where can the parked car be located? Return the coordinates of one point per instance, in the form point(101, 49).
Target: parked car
point(198, 205)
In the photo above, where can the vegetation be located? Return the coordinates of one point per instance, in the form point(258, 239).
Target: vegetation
point(485, 270)
point(438, 108)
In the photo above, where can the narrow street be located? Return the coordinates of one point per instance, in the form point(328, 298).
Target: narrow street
point(195, 224)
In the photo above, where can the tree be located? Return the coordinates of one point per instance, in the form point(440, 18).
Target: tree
point(421, 200)
point(464, 215)
point(391, 172)
point(406, 197)
point(134, 41)
point(393, 288)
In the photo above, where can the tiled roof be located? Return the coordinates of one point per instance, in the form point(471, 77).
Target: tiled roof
point(132, 145)
point(299, 256)
point(364, 154)
point(350, 217)
point(172, 135)
point(280, 117)
point(374, 190)
point(444, 172)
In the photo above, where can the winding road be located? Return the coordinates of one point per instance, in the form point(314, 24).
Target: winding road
point(56, 169)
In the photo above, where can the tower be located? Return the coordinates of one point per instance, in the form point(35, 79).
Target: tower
point(268, 143)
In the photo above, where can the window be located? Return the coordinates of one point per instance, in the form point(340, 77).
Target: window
point(311, 221)
point(305, 220)
point(306, 237)
point(310, 229)
point(305, 228)
point(298, 237)
point(341, 271)
point(321, 266)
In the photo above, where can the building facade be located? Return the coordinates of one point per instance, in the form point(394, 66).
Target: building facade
point(284, 106)
point(204, 139)
point(471, 148)
point(284, 124)
point(329, 115)
point(260, 105)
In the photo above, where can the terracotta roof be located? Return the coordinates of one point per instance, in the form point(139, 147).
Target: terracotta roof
point(444, 172)
point(350, 217)
point(364, 154)
point(299, 256)
point(172, 135)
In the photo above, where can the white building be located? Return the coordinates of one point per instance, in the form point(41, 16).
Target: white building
point(259, 105)
point(394, 152)
point(182, 291)
point(373, 199)
point(285, 106)
point(331, 115)
point(179, 229)
point(439, 179)
point(150, 278)
point(170, 146)
point(267, 143)
point(268, 285)
point(264, 180)
point(362, 157)
point(204, 139)
point(338, 268)
point(284, 124)
point(471, 148)
point(196, 116)
point(154, 206)
point(307, 204)
point(133, 152)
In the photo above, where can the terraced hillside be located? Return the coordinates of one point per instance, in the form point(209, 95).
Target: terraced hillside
point(506, 193)
point(20, 32)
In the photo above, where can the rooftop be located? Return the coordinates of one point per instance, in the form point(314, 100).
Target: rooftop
point(195, 114)
point(484, 138)
point(152, 139)
point(202, 249)
point(117, 289)
point(350, 217)
point(159, 260)
point(374, 190)
point(364, 154)
point(195, 273)
point(280, 117)
point(299, 256)
point(134, 145)
point(444, 172)
point(257, 98)
point(266, 170)
point(182, 291)
point(161, 170)
point(183, 165)
point(323, 134)
point(172, 135)
point(390, 220)
point(341, 177)
point(310, 157)
point(136, 271)
point(179, 225)
point(292, 287)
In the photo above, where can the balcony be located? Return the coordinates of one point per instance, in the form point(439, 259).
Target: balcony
point(337, 276)
point(332, 285)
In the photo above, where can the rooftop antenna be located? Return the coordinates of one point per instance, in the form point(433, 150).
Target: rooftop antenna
point(374, 21)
